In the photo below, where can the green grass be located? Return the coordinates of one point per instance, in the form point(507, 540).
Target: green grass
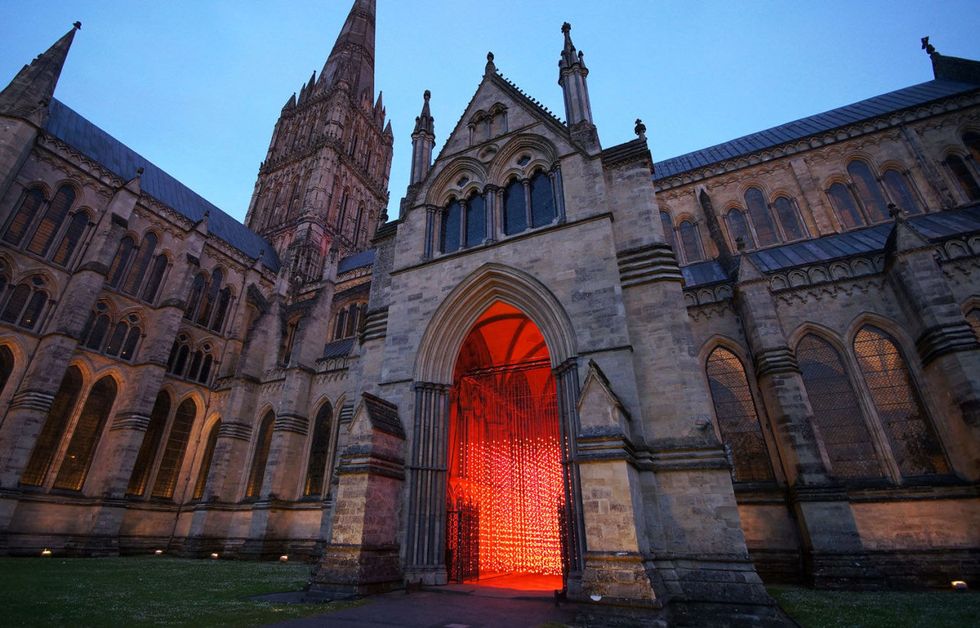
point(879, 609)
point(148, 590)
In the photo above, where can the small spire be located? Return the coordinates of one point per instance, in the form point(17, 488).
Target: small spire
point(33, 87)
point(929, 48)
point(491, 67)
point(424, 122)
point(569, 55)
point(640, 129)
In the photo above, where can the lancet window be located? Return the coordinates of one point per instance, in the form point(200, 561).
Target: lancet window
point(206, 460)
point(316, 467)
point(963, 177)
point(260, 457)
point(348, 320)
point(209, 301)
point(194, 364)
point(23, 304)
point(138, 270)
point(173, 452)
point(118, 339)
point(690, 242)
point(55, 229)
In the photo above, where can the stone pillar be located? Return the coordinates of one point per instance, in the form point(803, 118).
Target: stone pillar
point(30, 404)
point(362, 555)
point(425, 556)
point(946, 344)
point(833, 552)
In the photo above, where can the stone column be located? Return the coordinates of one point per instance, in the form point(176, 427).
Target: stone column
point(833, 552)
point(30, 404)
point(425, 556)
point(946, 344)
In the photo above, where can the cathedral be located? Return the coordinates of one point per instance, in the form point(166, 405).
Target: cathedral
point(643, 380)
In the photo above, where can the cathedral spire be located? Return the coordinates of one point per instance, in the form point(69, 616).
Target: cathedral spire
point(352, 57)
point(571, 76)
point(33, 88)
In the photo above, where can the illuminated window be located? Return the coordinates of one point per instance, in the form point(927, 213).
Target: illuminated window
point(691, 242)
point(789, 218)
point(173, 453)
point(85, 438)
point(54, 428)
point(868, 190)
point(896, 399)
point(738, 420)
point(206, 459)
point(900, 190)
point(31, 202)
point(150, 445)
point(765, 229)
point(261, 456)
point(845, 206)
point(836, 411)
point(319, 451)
point(738, 227)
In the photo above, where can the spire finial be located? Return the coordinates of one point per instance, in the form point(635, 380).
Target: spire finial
point(566, 28)
point(77, 25)
point(640, 129)
point(491, 67)
point(929, 48)
point(426, 95)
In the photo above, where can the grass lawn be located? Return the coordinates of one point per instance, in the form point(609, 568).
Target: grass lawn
point(879, 609)
point(148, 590)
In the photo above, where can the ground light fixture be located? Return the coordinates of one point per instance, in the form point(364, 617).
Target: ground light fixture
point(158, 552)
point(284, 558)
point(214, 555)
point(45, 552)
point(959, 585)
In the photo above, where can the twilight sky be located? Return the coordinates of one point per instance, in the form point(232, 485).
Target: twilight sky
point(196, 86)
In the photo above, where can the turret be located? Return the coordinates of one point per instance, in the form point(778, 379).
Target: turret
point(572, 75)
point(423, 140)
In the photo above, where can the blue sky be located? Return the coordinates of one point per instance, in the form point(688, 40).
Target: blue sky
point(197, 86)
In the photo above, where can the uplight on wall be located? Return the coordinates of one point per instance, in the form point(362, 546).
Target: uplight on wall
point(284, 559)
point(214, 555)
point(959, 585)
point(158, 552)
point(45, 552)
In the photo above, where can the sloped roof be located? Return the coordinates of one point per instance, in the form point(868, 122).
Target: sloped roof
point(357, 260)
point(338, 348)
point(884, 104)
point(73, 129)
point(935, 227)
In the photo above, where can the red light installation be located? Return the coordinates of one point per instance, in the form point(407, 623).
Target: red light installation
point(505, 494)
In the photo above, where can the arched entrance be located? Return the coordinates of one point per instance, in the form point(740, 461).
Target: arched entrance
point(505, 497)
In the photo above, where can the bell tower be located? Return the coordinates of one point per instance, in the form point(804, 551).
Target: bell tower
point(323, 187)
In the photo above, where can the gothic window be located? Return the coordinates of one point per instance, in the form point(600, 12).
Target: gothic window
point(178, 355)
point(120, 342)
point(868, 190)
point(31, 202)
point(51, 221)
point(738, 421)
point(668, 227)
point(150, 445)
point(691, 242)
point(294, 199)
point(54, 428)
point(319, 450)
point(845, 205)
point(210, 297)
point(194, 299)
point(206, 459)
point(94, 332)
point(85, 438)
point(342, 212)
point(896, 398)
point(973, 317)
point(25, 304)
point(765, 229)
point(288, 341)
point(69, 241)
point(961, 174)
point(173, 453)
point(542, 200)
point(141, 263)
point(154, 279)
point(738, 227)
point(261, 456)
point(837, 414)
point(789, 218)
point(6, 366)
point(194, 365)
point(358, 223)
point(900, 190)
point(451, 218)
point(476, 220)
point(971, 140)
point(121, 261)
point(348, 320)
point(515, 208)
point(221, 311)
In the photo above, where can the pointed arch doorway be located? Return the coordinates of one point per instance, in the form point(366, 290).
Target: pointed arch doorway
point(505, 494)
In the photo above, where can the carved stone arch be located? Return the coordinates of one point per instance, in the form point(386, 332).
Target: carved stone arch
point(14, 344)
point(970, 304)
point(888, 325)
point(685, 216)
point(817, 275)
point(726, 342)
point(808, 328)
point(862, 266)
point(955, 248)
point(446, 182)
point(868, 158)
point(196, 396)
point(459, 311)
point(798, 278)
point(840, 270)
point(51, 282)
point(745, 186)
point(541, 151)
point(779, 282)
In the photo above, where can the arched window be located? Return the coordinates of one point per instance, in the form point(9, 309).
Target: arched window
point(319, 450)
point(973, 317)
point(206, 459)
point(668, 227)
point(25, 304)
point(221, 311)
point(451, 217)
point(971, 139)
point(542, 200)
point(358, 223)
point(348, 320)
point(476, 220)
point(342, 211)
point(194, 299)
point(515, 208)
point(141, 264)
point(900, 191)
point(6, 366)
point(765, 229)
point(738, 421)
point(94, 332)
point(836, 411)
point(789, 218)
point(177, 361)
point(71, 238)
point(739, 228)
point(294, 198)
point(210, 297)
point(159, 267)
point(150, 445)
point(54, 428)
point(121, 342)
point(88, 431)
point(845, 206)
point(691, 242)
point(896, 399)
point(29, 205)
point(173, 453)
point(121, 261)
point(51, 221)
point(261, 456)
point(868, 190)
point(961, 173)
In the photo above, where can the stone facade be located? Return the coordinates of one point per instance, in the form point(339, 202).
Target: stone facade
point(763, 358)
